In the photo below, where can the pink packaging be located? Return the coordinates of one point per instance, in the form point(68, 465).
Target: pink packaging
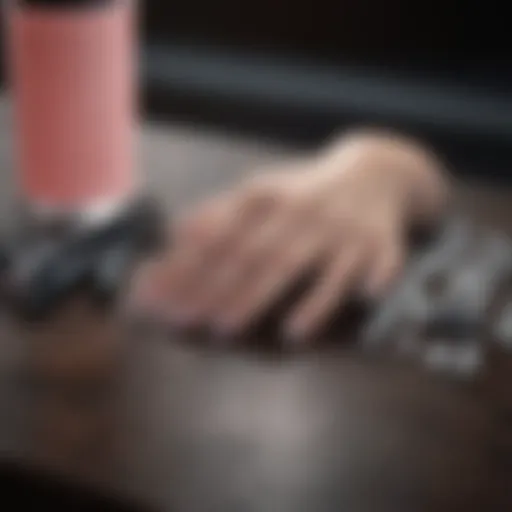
point(73, 78)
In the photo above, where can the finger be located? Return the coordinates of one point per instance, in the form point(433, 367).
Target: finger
point(244, 213)
point(232, 218)
point(155, 278)
point(388, 263)
point(326, 296)
point(233, 211)
point(224, 277)
point(285, 264)
point(199, 229)
point(145, 293)
point(192, 255)
point(304, 242)
point(246, 257)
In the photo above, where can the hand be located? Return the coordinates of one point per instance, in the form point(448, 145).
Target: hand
point(344, 213)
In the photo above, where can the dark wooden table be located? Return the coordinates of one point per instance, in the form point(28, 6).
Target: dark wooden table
point(143, 416)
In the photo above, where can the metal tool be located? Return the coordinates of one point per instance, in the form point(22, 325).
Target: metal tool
point(42, 269)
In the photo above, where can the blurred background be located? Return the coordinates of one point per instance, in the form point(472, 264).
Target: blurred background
point(299, 71)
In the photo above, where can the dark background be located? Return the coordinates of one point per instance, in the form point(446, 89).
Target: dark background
point(301, 71)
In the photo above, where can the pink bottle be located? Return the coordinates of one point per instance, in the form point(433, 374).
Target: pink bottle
point(73, 82)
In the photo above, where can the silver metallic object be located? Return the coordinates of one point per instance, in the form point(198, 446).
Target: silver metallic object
point(449, 322)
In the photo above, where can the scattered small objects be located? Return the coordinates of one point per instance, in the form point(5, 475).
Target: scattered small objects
point(444, 300)
point(461, 360)
point(411, 301)
point(44, 269)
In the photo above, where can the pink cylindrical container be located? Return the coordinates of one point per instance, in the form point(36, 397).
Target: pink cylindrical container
point(72, 73)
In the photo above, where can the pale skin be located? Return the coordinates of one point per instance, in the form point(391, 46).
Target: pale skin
point(345, 212)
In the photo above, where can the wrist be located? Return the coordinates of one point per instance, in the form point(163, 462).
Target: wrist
point(397, 168)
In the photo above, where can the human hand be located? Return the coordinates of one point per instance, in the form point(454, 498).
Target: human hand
point(343, 213)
